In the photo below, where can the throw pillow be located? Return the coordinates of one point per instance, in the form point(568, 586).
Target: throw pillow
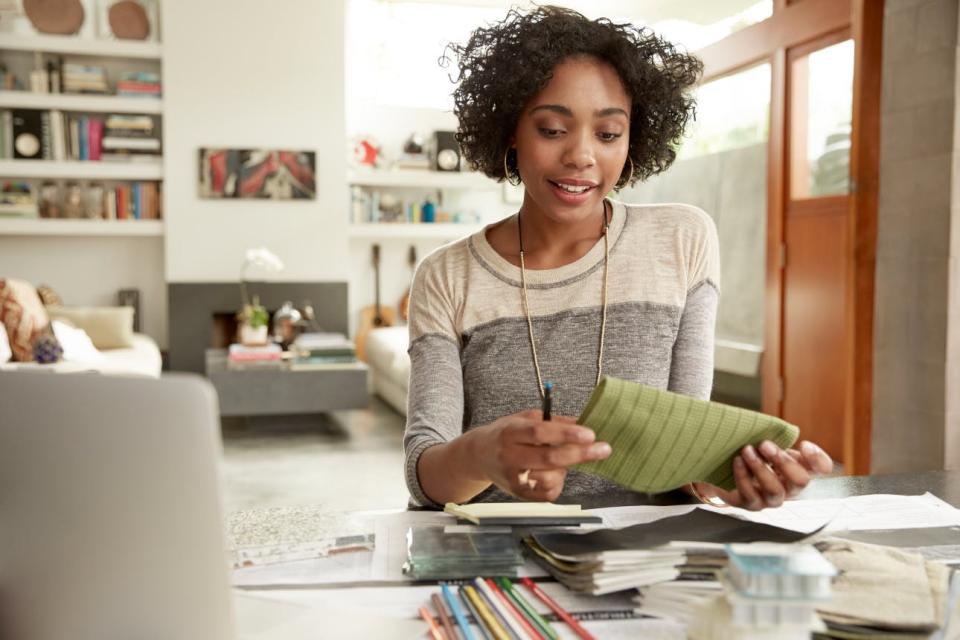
point(49, 296)
point(108, 327)
point(23, 316)
point(5, 353)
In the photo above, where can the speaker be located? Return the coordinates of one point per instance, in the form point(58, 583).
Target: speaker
point(131, 298)
point(446, 156)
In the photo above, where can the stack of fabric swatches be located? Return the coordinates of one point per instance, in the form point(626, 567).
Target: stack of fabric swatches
point(500, 612)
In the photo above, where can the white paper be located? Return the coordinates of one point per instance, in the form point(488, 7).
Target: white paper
point(854, 513)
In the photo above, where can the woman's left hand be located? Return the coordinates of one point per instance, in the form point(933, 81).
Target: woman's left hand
point(767, 475)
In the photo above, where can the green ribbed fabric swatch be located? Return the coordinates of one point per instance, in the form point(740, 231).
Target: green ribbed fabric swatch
point(663, 440)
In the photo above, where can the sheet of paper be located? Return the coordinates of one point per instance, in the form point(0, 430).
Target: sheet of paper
point(271, 618)
point(854, 513)
point(857, 513)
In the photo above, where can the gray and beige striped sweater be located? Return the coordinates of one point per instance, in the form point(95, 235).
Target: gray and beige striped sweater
point(470, 354)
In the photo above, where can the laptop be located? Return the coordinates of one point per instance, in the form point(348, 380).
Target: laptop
point(110, 509)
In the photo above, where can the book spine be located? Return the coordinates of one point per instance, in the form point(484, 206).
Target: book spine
point(46, 136)
point(84, 135)
point(96, 138)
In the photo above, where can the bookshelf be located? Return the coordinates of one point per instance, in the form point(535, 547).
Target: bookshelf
point(80, 170)
point(80, 118)
point(80, 227)
point(74, 45)
point(83, 103)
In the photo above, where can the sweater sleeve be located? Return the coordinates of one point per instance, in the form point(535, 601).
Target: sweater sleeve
point(435, 394)
point(691, 368)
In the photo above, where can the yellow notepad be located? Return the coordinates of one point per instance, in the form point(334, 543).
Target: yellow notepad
point(520, 513)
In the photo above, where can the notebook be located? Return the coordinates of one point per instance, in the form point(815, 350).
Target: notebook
point(663, 440)
point(521, 513)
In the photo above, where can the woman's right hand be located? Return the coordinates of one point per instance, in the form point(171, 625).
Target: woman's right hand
point(515, 444)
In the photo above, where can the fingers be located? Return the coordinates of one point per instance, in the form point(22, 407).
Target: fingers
point(793, 476)
point(815, 459)
point(553, 432)
point(749, 497)
point(771, 489)
point(555, 457)
point(541, 486)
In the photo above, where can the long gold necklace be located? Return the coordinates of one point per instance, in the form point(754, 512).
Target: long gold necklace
point(603, 313)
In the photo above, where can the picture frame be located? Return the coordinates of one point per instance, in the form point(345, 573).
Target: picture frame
point(262, 174)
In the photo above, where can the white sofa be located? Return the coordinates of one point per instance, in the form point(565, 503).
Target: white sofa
point(141, 357)
point(389, 364)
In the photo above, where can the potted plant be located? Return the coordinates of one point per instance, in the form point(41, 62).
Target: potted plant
point(253, 318)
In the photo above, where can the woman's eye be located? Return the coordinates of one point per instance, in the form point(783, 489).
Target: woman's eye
point(607, 136)
point(550, 133)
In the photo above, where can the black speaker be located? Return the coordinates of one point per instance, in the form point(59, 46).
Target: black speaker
point(131, 298)
point(446, 151)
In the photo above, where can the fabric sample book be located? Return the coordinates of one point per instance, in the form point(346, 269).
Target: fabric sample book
point(663, 440)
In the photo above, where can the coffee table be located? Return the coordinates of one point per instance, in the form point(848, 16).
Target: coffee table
point(284, 391)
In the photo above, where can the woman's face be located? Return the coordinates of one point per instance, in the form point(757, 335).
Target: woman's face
point(572, 139)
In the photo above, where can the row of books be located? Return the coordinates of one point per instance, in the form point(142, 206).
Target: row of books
point(33, 134)
point(132, 201)
point(58, 76)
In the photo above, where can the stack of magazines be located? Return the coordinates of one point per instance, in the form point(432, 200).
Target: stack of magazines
point(433, 554)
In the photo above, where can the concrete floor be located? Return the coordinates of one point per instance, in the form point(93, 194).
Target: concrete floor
point(348, 460)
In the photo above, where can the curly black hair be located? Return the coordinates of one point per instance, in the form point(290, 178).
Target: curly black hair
point(504, 64)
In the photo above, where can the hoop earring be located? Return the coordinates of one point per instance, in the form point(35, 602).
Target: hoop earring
point(506, 170)
point(622, 182)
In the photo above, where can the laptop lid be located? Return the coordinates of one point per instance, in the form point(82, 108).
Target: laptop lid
point(110, 511)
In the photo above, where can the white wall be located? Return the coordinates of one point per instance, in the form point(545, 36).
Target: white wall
point(241, 73)
point(88, 271)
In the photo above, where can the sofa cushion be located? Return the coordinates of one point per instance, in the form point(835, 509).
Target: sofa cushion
point(23, 315)
point(108, 327)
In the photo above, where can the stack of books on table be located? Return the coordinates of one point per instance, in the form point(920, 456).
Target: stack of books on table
point(140, 84)
point(130, 137)
point(241, 356)
point(770, 591)
point(322, 350)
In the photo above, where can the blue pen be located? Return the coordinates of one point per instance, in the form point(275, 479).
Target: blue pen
point(457, 612)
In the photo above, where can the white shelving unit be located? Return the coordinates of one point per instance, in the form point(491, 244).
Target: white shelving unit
point(387, 230)
point(93, 170)
point(59, 227)
point(420, 179)
point(82, 46)
point(69, 102)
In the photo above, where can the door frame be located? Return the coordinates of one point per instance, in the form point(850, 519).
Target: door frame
point(792, 25)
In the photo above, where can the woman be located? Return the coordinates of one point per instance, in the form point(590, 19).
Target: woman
point(575, 285)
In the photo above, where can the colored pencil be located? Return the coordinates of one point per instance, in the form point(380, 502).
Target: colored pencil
point(444, 618)
point(512, 609)
point(435, 632)
point(476, 615)
point(556, 608)
point(486, 615)
point(507, 587)
point(457, 612)
point(512, 626)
